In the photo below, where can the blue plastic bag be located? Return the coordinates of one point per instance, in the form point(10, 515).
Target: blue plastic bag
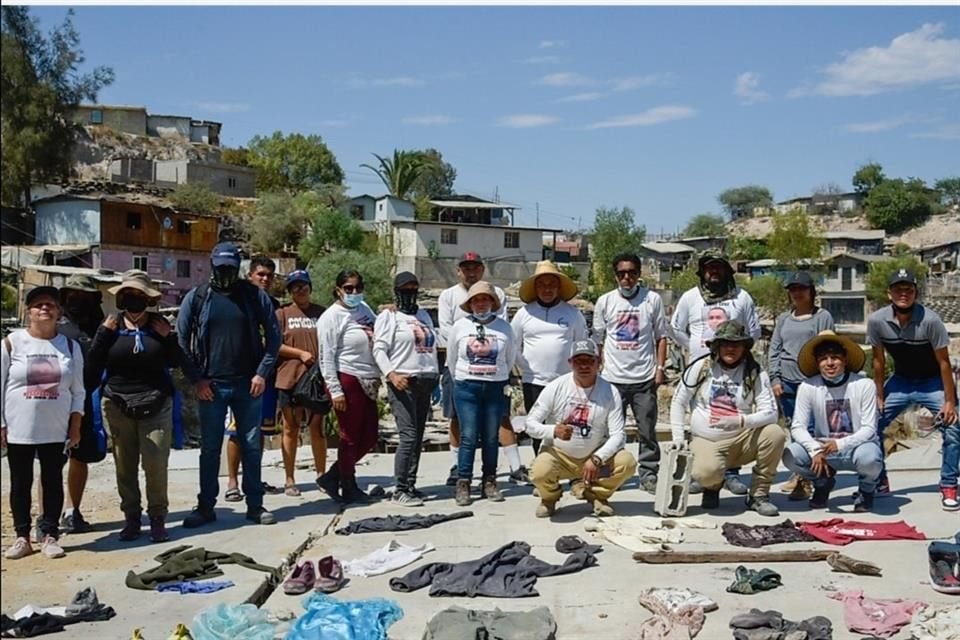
point(330, 619)
point(232, 622)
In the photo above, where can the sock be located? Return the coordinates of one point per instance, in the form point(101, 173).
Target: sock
point(455, 451)
point(512, 452)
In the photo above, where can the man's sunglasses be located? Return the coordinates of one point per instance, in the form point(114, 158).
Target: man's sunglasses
point(350, 288)
point(628, 272)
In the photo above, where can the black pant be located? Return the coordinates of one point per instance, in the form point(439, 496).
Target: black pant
point(20, 458)
point(530, 394)
point(410, 409)
point(641, 397)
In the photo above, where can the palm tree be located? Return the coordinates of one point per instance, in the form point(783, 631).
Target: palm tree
point(399, 175)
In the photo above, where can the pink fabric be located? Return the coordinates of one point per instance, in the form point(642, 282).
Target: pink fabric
point(882, 618)
point(839, 531)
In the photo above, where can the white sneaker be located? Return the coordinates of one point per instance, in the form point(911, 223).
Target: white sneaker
point(51, 548)
point(19, 549)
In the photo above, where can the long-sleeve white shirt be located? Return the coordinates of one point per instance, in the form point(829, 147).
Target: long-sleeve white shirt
point(42, 384)
point(449, 311)
point(471, 358)
point(721, 397)
point(545, 337)
point(346, 344)
point(846, 413)
point(405, 344)
point(594, 414)
point(628, 330)
point(694, 321)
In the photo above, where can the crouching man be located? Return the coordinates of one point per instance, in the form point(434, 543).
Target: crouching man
point(841, 404)
point(579, 419)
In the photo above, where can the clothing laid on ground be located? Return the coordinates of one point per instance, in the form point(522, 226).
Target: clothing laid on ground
point(629, 329)
point(840, 532)
point(935, 624)
point(569, 544)
point(457, 623)
point(400, 523)
point(771, 625)
point(756, 536)
point(31, 621)
point(882, 618)
point(405, 344)
point(481, 352)
point(189, 563)
point(789, 335)
point(449, 311)
point(694, 320)
point(846, 412)
point(545, 336)
point(750, 581)
point(232, 622)
point(346, 340)
point(508, 572)
point(191, 586)
point(658, 627)
point(298, 329)
point(327, 617)
point(631, 537)
point(675, 611)
point(389, 557)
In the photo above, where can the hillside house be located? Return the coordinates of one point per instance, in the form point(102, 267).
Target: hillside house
point(568, 247)
point(942, 257)
point(136, 121)
point(663, 258)
point(369, 209)
point(705, 243)
point(863, 242)
point(822, 203)
point(469, 209)
point(226, 179)
point(843, 289)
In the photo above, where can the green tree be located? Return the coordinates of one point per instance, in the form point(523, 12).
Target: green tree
point(684, 280)
point(239, 156)
point(436, 176)
point(400, 173)
point(705, 224)
point(614, 231)
point(740, 247)
point(880, 273)
point(867, 177)
point(40, 87)
point(794, 238)
point(292, 163)
point(422, 208)
point(378, 284)
point(767, 292)
point(740, 202)
point(895, 205)
point(949, 189)
point(196, 197)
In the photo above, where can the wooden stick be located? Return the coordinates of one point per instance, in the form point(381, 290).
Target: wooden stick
point(700, 557)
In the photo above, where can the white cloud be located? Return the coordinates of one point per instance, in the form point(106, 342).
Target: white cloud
point(334, 123)
point(527, 120)
point(552, 44)
point(564, 79)
point(583, 97)
point(221, 107)
point(747, 88)
point(428, 120)
point(876, 126)
point(911, 59)
point(359, 82)
point(638, 82)
point(542, 60)
point(944, 132)
point(656, 115)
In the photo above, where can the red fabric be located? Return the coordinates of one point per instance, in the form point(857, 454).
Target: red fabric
point(358, 426)
point(839, 531)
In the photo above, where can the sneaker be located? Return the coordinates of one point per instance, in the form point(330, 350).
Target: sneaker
point(710, 499)
point(649, 483)
point(260, 516)
point(863, 503)
point(883, 487)
point(762, 505)
point(19, 549)
point(490, 490)
point(329, 575)
point(802, 490)
point(463, 493)
point(453, 477)
point(520, 476)
point(199, 517)
point(131, 530)
point(51, 548)
point(158, 529)
point(302, 579)
point(75, 523)
point(406, 499)
point(695, 487)
point(735, 485)
point(546, 509)
point(821, 494)
point(948, 499)
point(416, 493)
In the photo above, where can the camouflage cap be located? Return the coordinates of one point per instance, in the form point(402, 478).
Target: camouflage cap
point(709, 256)
point(81, 282)
point(731, 331)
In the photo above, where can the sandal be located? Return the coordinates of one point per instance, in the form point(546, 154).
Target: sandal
point(291, 490)
point(233, 495)
point(269, 489)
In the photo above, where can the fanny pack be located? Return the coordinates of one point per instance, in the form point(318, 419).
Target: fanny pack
point(142, 404)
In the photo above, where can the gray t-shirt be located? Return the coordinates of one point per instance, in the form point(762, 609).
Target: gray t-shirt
point(789, 336)
point(912, 347)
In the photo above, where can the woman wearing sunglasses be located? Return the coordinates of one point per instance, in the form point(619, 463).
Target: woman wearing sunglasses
point(345, 332)
point(481, 350)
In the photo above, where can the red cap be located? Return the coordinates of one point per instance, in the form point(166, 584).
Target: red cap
point(471, 256)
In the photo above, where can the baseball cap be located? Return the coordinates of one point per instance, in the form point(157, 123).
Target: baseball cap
point(471, 256)
point(585, 348)
point(902, 275)
point(404, 278)
point(801, 279)
point(225, 254)
point(37, 292)
point(298, 276)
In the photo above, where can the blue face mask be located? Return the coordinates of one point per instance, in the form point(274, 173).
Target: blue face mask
point(352, 300)
point(628, 293)
point(483, 316)
point(835, 380)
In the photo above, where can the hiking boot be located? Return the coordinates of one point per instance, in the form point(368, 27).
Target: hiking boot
point(406, 499)
point(131, 531)
point(19, 549)
point(51, 548)
point(490, 491)
point(158, 529)
point(453, 478)
point(329, 483)
point(798, 488)
point(821, 493)
point(695, 487)
point(710, 499)
point(260, 515)
point(762, 505)
point(948, 499)
point(75, 523)
point(863, 503)
point(649, 483)
point(546, 509)
point(463, 493)
point(520, 476)
point(352, 492)
point(199, 517)
point(735, 485)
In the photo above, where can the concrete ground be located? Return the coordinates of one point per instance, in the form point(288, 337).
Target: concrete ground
point(600, 602)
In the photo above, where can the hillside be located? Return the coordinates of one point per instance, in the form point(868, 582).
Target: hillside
point(97, 147)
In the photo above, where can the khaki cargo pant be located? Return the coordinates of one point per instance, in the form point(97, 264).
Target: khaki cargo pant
point(137, 442)
point(552, 466)
point(763, 445)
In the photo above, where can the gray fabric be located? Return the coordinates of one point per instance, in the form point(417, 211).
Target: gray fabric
point(400, 523)
point(457, 623)
point(771, 625)
point(911, 347)
point(789, 336)
point(410, 409)
point(642, 400)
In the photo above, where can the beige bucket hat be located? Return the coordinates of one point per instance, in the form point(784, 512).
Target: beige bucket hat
point(807, 361)
point(528, 290)
point(139, 280)
point(481, 288)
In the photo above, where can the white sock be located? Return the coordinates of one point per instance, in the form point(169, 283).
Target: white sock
point(512, 452)
point(455, 451)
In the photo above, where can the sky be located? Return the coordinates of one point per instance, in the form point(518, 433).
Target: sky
point(569, 108)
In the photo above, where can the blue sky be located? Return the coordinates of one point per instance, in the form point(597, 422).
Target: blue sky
point(658, 108)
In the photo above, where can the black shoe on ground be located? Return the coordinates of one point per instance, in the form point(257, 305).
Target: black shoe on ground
point(452, 478)
point(75, 523)
point(330, 483)
point(735, 485)
point(199, 517)
point(863, 503)
point(260, 516)
point(821, 494)
point(710, 499)
point(352, 492)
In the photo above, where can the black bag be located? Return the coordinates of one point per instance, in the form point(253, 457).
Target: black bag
point(139, 405)
point(310, 391)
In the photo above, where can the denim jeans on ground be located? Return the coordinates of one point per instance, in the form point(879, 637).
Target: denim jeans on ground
point(480, 406)
point(234, 395)
point(411, 408)
point(642, 400)
point(866, 460)
point(899, 393)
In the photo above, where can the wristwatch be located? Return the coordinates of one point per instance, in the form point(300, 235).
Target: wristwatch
point(596, 460)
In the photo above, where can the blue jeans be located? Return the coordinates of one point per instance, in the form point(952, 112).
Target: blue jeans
point(899, 393)
point(866, 460)
point(480, 405)
point(234, 394)
point(788, 402)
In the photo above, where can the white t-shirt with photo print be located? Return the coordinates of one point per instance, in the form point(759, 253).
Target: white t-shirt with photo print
point(629, 329)
point(481, 351)
point(405, 344)
point(695, 321)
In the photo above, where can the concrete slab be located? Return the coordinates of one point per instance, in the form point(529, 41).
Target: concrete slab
point(600, 602)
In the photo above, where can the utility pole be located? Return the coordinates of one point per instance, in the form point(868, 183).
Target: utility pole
point(538, 215)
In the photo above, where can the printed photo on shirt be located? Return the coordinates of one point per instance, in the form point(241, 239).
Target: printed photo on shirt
point(723, 402)
point(627, 329)
point(712, 318)
point(424, 338)
point(578, 417)
point(43, 377)
point(366, 323)
point(839, 420)
point(482, 352)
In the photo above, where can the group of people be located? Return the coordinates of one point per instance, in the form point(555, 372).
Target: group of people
point(73, 371)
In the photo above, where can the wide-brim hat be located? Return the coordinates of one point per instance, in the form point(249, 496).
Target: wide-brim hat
point(481, 288)
point(731, 331)
point(139, 280)
point(80, 282)
point(528, 289)
point(807, 360)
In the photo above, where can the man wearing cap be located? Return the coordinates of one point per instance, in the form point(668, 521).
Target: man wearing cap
point(632, 327)
point(81, 300)
point(299, 349)
point(840, 404)
point(699, 312)
point(917, 339)
point(469, 271)
point(229, 336)
point(578, 418)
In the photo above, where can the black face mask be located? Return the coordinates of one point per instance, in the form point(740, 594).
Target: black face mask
point(133, 304)
point(224, 277)
point(406, 300)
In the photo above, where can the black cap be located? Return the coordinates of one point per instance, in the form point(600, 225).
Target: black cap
point(902, 275)
point(800, 278)
point(36, 292)
point(403, 278)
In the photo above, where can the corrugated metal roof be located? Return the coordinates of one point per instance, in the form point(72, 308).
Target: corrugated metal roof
point(470, 204)
point(856, 234)
point(101, 275)
point(668, 247)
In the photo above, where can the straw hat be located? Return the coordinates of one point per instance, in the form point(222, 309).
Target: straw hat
point(807, 361)
point(481, 287)
point(528, 291)
point(139, 280)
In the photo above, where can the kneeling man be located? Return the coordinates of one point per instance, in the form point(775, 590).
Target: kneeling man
point(841, 404)
point(578, 416)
